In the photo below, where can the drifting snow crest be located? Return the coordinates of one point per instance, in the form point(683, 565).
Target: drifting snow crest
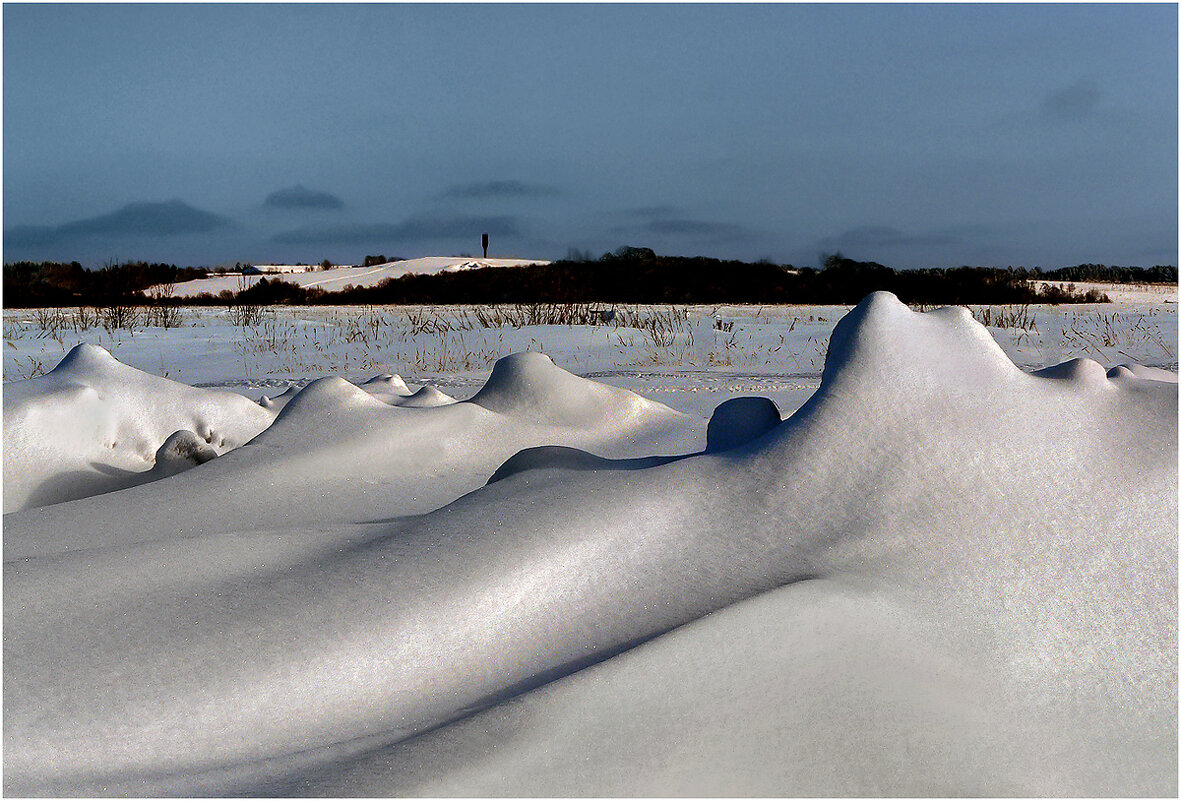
point(933, 518)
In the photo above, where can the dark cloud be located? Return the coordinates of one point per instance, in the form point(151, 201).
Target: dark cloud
point(871, 236)
point(696, 229)
point(667, 220)
point(499, 189)
point(1160, 255)
point(170, 218)
point(415, 229)
point(1076, 101)
point(654, 211)
point(300, 197)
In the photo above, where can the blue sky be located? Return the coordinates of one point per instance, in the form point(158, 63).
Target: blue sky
point(913, 135)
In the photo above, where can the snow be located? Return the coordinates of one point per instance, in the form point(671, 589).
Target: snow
point(339, 277)
point(94, 425)
point(941, 574)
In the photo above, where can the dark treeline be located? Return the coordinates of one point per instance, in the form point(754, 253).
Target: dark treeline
point(36, 284)
point(629, 275)
point(648, 278)
point(1115, 275)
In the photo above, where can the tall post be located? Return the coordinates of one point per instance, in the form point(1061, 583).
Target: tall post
point(484, 242)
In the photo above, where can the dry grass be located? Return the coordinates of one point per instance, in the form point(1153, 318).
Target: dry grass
point(426, 340)
point(430, 340)
point(1002, 317)
point(1123, 332)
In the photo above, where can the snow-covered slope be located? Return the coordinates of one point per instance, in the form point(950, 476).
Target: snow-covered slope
point(340, 277)
point(940, 576)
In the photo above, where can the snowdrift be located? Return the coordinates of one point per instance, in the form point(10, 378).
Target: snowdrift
point(93, 425)
point(341, 453)
point(941, 575)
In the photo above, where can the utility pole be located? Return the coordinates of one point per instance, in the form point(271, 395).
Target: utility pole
point(484, 242)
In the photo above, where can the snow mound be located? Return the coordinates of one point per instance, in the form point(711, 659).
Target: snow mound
point(740, 420)
point(530, 386)
point(387, 383)
point(1082, 371)
point(388, 388)
point(558, 457)
point(940, 576)
point(330, 396)
point(337, 452)
point(181, 451)
point(93, 425)
point(1142, 372)
point(426, 397)
point(882, 341)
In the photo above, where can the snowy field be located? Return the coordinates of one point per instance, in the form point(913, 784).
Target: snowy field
point(688, 551)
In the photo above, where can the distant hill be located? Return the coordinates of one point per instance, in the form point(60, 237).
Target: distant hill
point(628, 275)
point(637, 275)
point(336, 278)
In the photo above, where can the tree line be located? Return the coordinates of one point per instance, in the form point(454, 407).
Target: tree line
point(44, 284)
point(627, 275)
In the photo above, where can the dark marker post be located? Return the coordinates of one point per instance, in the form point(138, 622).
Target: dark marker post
point(484, 242)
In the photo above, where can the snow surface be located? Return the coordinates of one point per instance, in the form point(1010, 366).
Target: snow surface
point(339, 277)
point(941, 575)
